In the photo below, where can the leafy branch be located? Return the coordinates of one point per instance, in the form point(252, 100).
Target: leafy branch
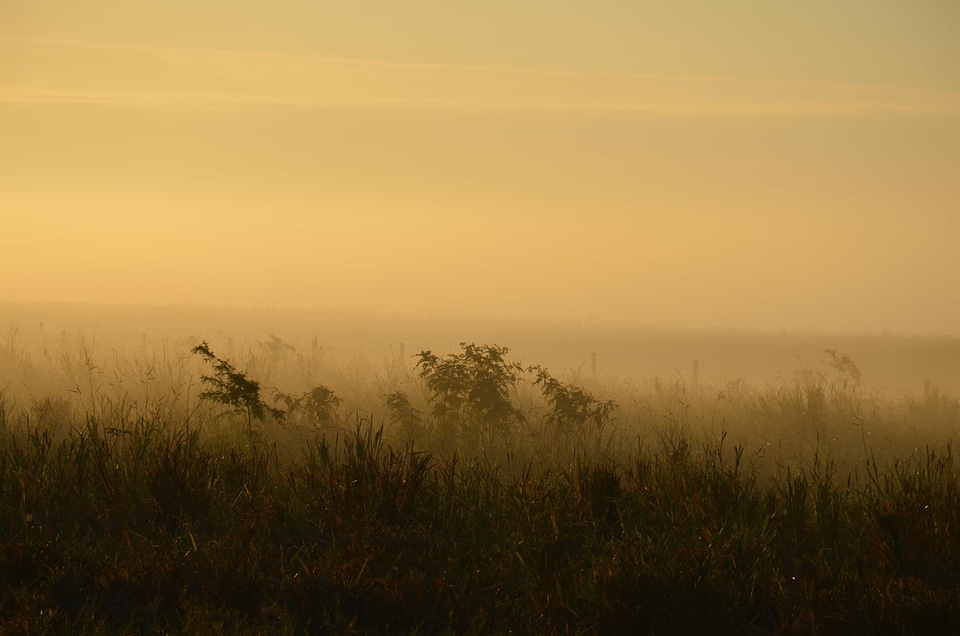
point(573, 408)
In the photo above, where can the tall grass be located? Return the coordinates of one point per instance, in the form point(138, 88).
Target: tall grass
point(806, 507)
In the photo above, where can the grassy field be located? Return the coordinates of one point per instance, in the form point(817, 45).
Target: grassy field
point(897, 364)
point(469, 494)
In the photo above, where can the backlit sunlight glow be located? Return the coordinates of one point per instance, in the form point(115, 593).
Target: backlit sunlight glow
point(763, 169)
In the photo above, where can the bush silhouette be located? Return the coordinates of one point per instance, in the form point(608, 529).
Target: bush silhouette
point(471, 390)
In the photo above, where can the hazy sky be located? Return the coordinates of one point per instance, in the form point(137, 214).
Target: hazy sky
point(750, 164)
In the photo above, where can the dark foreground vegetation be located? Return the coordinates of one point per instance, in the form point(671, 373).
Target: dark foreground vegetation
point(135, 520)
point(150, 530)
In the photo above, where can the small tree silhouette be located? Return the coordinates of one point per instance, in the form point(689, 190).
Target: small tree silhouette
point(845, 366)
point(234, 389)
point(472, 389)
point(276, 347)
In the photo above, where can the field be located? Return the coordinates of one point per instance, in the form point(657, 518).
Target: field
point(244, 482)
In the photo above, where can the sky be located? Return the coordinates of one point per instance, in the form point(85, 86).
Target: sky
point(746, 164)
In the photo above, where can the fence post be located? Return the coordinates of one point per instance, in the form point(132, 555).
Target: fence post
point(926, 389)
point(696, 375)
point(593, 366)
point(402, 357)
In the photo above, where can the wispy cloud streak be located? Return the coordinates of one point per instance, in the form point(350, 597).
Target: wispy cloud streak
point(152, 76)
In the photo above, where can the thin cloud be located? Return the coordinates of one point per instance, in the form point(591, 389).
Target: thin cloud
point(220, 100)
point(373, 83)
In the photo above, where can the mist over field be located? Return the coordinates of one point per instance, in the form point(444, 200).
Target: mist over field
point(896, 364)
point(492, 317)
point(403, 473)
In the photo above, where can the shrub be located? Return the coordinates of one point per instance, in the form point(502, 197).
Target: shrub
point(573, 410)
point(471, 390)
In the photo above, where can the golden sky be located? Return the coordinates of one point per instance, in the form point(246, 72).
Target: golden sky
point(750, 164)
